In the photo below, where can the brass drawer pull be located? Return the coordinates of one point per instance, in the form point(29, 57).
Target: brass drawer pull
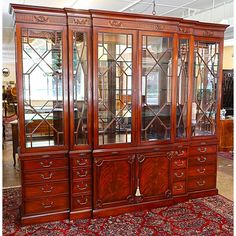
point(82, 202)
point(201, 170)
point(202, 149)
point(46, 164)
point(179, 187)
point(44, 177)
point(201, 182)
point(179, 163)
point(82, 154)
point(179, 175)
point(201, 159)
point(46, 205)
point(47, 190)
point(82, 188)
point(82, 163)
point(83, 174)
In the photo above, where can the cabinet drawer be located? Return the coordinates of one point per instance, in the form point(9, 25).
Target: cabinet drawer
point(202, 160)
point(202, 170)
point(33, 165)
point(82, 173)
point(179, 188)
point(47, 175)
point(48, 204)
point(82, 201)
point(179, 163)
point(46, 189)
point(180, 153)
point(202, 149)
point(179, 174)
point(202, 183)
point(81, 161)
point(81, 186)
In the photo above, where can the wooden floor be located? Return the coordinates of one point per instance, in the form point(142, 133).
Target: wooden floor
point(11, 175)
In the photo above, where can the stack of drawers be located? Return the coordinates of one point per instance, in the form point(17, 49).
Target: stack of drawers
point(45, 184)
point(202, 167)
point(81, 183)
point(179, 166)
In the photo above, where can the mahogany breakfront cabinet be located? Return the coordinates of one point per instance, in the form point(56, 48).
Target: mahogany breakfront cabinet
point(117, 112)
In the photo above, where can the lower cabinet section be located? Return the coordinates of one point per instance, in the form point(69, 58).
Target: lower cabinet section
point(110, 182)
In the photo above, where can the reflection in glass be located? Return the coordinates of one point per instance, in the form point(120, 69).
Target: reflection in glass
point(156, 87)
point(80, 75)
point(114, 87)
point(182, 88)
point(206, 72)
point(43, 87)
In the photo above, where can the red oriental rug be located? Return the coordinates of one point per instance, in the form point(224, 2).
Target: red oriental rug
point(204, 216)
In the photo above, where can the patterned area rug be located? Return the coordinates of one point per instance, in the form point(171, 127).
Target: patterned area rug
point(203, 216)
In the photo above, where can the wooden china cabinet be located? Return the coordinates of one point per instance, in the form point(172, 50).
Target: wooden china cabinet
point(117, 111)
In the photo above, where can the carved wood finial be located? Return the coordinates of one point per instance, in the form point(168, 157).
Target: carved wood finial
point(80, 21)
point(41, 19)
point(115, 23)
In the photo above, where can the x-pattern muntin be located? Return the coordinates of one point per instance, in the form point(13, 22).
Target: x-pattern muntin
point(183, 71)
point(79, 52)
point(41, 58)
point(157, 61)
point(117, 118)
point(44, 119)
point(201, 62)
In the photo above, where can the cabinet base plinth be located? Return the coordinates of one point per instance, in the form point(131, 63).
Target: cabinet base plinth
point(113, 211)
point(82, 214)
point(49, 217)
point(205, 193)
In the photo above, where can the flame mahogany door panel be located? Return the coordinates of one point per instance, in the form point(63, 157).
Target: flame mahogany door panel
point(113, 180)
point(153, 171)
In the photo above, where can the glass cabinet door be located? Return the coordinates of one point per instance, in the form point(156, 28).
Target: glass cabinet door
point(182, 89)
point(206, 73)
point(156, 87)
point(80, 85)
point(43, 87)
point(114, 88)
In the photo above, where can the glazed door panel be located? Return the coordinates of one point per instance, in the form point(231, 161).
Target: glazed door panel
point(182, 90)
point(113, 180)
point(156, 86)
point(44, 82)
point(80, 86)
point(153, 173)
point(205, 87)
point(114, 87)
